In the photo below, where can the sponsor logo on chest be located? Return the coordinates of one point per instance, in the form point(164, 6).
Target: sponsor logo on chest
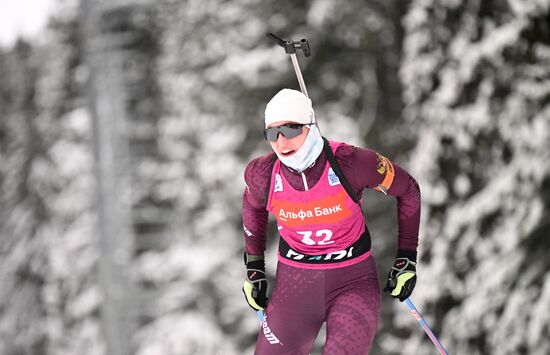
point(329, 209)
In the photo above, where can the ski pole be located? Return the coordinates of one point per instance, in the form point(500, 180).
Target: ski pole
point(424, 325)
point(290, 48)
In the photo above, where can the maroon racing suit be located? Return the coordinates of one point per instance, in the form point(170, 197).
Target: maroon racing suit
point(312, 288)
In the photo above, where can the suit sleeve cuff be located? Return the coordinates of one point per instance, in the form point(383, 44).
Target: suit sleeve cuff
point(409, 254)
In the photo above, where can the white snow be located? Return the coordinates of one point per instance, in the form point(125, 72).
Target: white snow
point(23, 18)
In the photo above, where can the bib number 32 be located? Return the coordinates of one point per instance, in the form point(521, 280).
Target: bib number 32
point(322, 237)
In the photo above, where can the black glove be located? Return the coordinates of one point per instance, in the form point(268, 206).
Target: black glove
point(255, 285)
point(401, 278)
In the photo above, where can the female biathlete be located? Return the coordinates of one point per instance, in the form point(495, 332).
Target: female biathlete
point(325, 271)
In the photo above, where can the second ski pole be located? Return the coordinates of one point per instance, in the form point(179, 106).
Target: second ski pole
point(424, 325)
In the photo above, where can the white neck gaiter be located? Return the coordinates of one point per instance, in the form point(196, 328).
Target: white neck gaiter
point(308, 152)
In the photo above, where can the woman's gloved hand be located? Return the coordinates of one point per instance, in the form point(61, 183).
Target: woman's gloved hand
point(401, 279)
point(255, 285)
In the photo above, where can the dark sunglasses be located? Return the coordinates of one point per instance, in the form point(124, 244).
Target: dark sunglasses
point(289, 130)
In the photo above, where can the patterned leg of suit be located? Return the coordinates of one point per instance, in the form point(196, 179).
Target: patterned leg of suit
point(347, 298)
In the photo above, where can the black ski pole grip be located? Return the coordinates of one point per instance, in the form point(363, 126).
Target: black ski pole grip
point(291, 46)
point(287, 45)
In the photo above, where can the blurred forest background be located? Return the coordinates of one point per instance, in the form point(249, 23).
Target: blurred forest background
point(124, 133)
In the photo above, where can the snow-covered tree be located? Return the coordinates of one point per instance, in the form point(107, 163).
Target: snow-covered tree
point(476, 85)
point(49, 295)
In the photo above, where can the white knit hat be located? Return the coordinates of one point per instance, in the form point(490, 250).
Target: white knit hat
point(289, 105)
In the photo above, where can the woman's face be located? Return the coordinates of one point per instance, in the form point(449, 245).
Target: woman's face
point(287, 147)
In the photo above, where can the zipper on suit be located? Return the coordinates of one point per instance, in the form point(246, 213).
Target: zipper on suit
point(304, 180)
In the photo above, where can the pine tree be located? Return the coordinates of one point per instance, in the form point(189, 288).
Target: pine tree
point(476, 77)
point(23, 258)
point(49, 293)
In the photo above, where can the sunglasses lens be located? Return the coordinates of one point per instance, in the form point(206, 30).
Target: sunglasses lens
point(271, 134)
point(289, 131)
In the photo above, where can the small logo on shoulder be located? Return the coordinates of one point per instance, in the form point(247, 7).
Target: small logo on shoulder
point(332, 178)
point(278, 183)
point(381, 164)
